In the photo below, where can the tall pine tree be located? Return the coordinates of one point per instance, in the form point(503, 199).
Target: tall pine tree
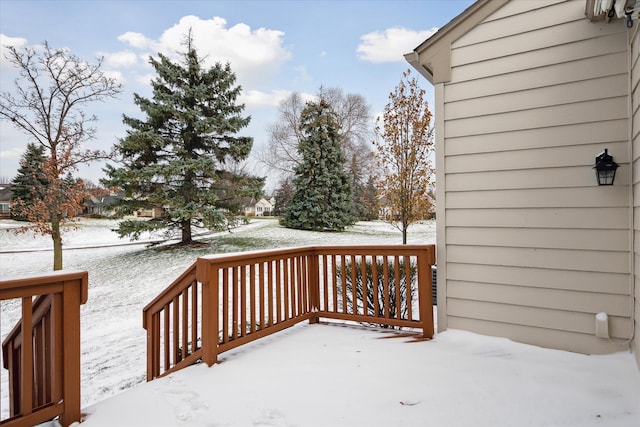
point(322, 198)
point(174, 158)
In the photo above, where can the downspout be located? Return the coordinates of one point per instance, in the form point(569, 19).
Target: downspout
point(631, 35)
point(441, 243)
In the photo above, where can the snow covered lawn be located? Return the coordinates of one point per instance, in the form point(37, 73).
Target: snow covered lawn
point(328, 375)
point(309, 375)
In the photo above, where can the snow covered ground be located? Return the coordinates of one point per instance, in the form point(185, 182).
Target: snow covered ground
point(311, 375)
point(322, 375)
point(123, 278)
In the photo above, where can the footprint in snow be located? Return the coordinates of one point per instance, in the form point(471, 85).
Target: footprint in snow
point(271, 418)
point(186, 405)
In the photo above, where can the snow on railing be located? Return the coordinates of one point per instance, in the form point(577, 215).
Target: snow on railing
point(43, 359)
point(224, 301)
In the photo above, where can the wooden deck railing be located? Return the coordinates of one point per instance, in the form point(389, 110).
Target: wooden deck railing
point(224, 301)
point(42, 352)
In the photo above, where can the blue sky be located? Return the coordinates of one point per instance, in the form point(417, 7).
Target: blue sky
point(274, 47)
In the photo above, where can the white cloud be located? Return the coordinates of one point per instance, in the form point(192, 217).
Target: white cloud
point(13, 153)
point(390, 45)
point(136, 40)
point(256, 98)
point(125, 58)
point(116, 75)
point(302, 74)
point(254, 54)
point(6, 41)
point(145, 79)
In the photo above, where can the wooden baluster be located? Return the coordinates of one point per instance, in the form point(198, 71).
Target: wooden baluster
point(26, 362)
point(376, 290)
point(252, 297)
point(408, 280)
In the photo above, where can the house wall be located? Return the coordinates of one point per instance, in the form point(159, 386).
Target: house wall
point(635, 138)
point(533, 248)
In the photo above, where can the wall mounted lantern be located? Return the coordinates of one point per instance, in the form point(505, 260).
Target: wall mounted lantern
point(605, 168)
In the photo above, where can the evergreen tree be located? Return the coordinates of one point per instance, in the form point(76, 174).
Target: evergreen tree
point(174, 158)
point(322, 199)
point(370, 202)
point(356, 176)
point(283, 195)
point(30, 183)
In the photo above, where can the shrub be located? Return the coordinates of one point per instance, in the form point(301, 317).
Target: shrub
point(397, 298)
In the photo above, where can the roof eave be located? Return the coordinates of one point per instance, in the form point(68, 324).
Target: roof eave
point(432, 58)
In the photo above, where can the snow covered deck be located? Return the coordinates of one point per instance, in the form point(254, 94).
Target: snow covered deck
point(331, 375)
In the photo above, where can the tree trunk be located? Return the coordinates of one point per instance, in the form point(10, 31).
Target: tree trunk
point(405, 225)
point(186, 231)
point(57, 243)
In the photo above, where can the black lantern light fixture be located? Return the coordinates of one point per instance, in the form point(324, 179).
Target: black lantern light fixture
point(605, 168)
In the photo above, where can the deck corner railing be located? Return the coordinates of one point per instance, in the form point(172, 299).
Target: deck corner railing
point(223, 301)
point(42, 352)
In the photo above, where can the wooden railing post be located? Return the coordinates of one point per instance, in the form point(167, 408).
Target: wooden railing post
point(314, 284)
point(249, 295)
point(208, 276)
point(426, 258)
point(72, 296)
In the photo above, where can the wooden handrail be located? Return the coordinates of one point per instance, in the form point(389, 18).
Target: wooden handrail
point(42, 352)
point(173, 322)
point(226, 300)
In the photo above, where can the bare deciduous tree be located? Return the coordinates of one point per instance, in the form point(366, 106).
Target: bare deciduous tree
point(353, 118)
point(51, 90)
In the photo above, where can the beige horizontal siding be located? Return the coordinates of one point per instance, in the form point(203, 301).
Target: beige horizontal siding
point(540, 238)
point(568, 176)
point(544, 278)
point(534, 247)
point(538, 59)
point(518, 7)
point(549, 218)
point(543, 337)
point(554, 299)
point(516, 17)
point(529, 78)
point(586, 197)
point(559, 136)
point(557, 259)
point(563, 320)
point(555, 115)
point(541, 38)
point(581, 91)
point(543, 158)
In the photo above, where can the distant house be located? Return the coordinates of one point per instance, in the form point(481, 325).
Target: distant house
point(101, 205)
point(149, 213)
point(529, 246)
point(5, 201)
point(262, 207)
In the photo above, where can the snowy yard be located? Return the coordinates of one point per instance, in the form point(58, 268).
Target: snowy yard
point(124, 278)
point(311, 375)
